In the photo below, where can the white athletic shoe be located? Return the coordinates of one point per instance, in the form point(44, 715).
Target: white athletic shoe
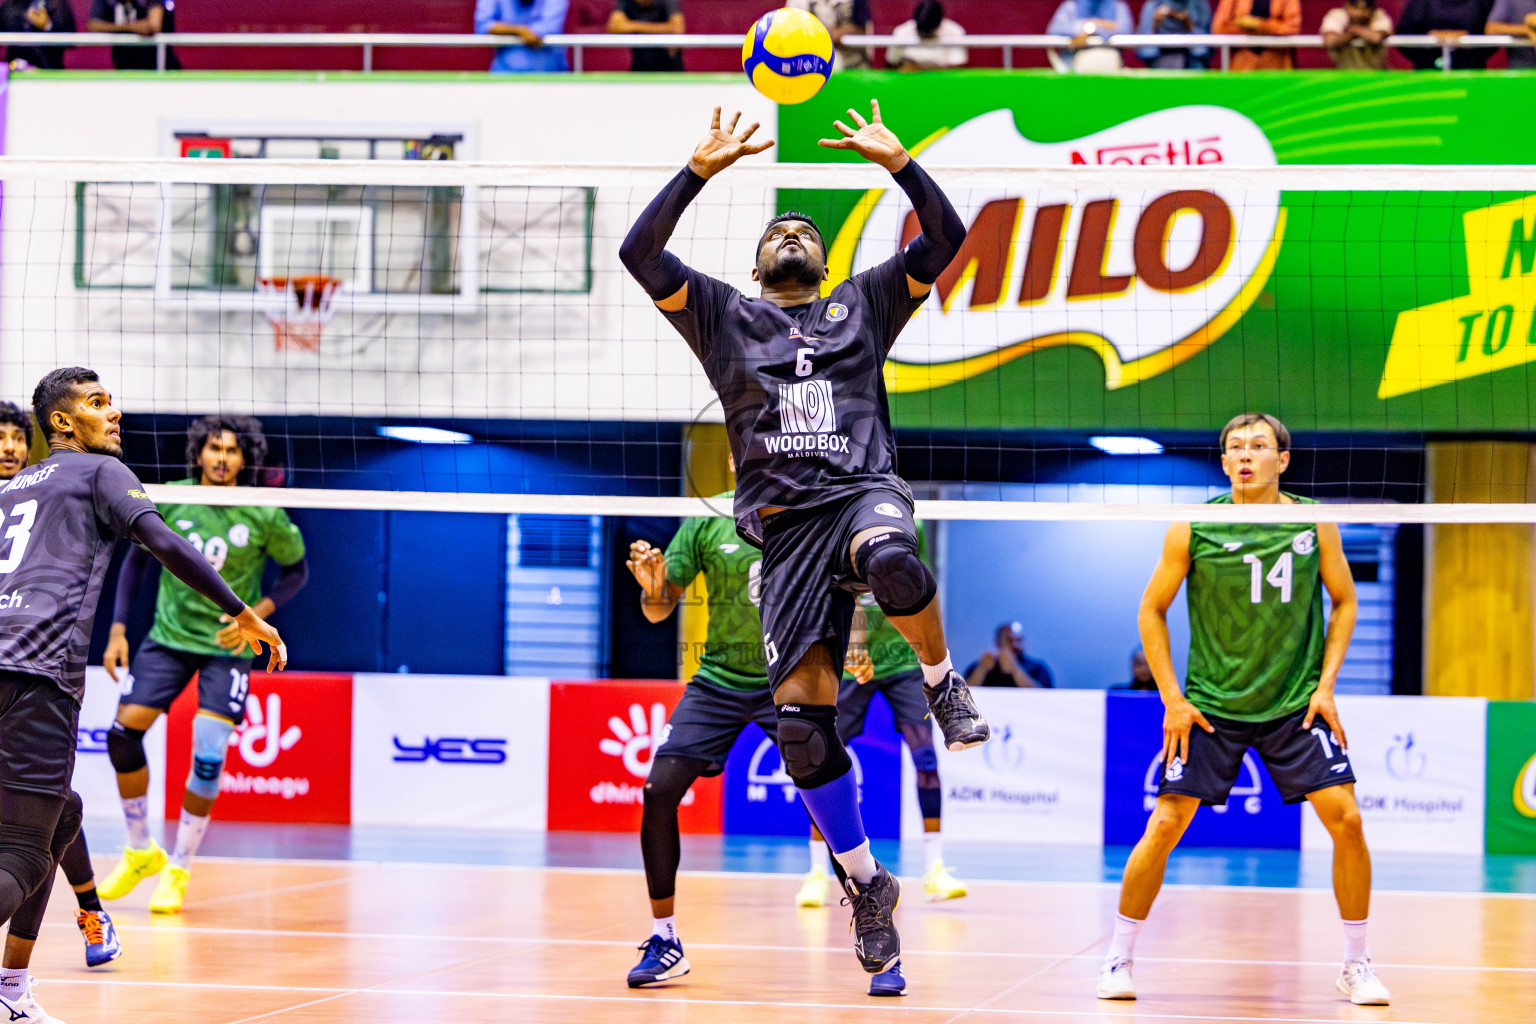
point(27, 1009)
point(1360, 983)
point(1115, 979)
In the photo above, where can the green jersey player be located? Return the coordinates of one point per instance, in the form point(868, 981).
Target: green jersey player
point(1262, 668)
point(190, 638)
point(729, 692)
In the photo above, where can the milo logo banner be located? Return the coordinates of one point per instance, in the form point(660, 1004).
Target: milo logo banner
point(1140, 306)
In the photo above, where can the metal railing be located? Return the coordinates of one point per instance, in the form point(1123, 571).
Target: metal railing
point(368, 42)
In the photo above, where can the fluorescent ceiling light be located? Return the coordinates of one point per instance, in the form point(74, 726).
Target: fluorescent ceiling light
point(426, 435)
point(1126, 445)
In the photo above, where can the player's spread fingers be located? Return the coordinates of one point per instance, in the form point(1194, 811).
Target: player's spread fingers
point(874, 106)
point(858, 118)
point(758, 147)
point(849, 132)
point(714, 121)
point(734, 118)
point(747, 133)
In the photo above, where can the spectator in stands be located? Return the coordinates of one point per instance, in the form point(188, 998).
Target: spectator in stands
point(1515, 18)
point(653, 17)
point(1356, 35)
point(530, 21)
point(140, 18)
point(1445, 19)
point(1141, 673)
point(1088, 22)
point(37, 16)
point(1008, 665)
point(927, 41)
point(1259, 18)
point(1177, 17)
point(843, 18)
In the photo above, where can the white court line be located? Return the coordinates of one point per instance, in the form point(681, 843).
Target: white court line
point(518, 943)
point(1116, 1014)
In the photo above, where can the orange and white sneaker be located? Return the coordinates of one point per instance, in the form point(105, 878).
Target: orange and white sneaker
point(1358, 981)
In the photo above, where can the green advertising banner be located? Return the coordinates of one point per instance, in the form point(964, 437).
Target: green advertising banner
point(1511, 811)
point(1127, 308)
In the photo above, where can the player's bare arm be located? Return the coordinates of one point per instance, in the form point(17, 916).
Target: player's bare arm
point(1179, 715)
point(1333, 568)
point(658, 595)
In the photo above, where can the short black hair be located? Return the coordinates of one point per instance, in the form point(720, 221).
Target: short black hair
point(55, 389)
point(248, 435)
point(11, 413)
point(1248, 419)
point(792, 215)
point(928, 16)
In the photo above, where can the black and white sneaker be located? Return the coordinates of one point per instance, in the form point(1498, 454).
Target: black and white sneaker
point(953, 707)
point(875, 941)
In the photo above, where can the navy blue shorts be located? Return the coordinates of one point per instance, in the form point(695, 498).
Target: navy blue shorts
point(903, 692)
point(37, 734)
point(159, 674)
point(1301, 761)
point(706, 722)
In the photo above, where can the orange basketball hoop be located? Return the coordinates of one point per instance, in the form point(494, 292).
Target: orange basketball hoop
point(298, 308)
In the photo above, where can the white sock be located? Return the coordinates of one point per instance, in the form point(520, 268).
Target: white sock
point(13, 982)
point(136, 811)
point(666, 927)
point(933, 850)
point(1354, 941)
point(1124, 942)
point(189, 836)
point(933, 675)
point(820, 856)
point(859, 863)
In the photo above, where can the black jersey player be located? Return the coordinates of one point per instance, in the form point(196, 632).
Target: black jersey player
point(799, 379)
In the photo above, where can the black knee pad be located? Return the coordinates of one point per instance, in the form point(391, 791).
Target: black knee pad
point(68, 827)
point(808, 741)
point(897, 577)
point(26, 855)
point(125, 749)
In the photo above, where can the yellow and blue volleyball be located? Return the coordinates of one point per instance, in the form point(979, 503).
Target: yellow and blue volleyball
point(788, 55)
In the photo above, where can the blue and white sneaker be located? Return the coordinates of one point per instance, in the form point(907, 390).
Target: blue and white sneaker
point(101, 943)
point(660, 960)
point(889, 982)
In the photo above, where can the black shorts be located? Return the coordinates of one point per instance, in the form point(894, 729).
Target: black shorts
point(1300, 761)
point(159, 674)
point(37, 734)
point(903, 692)
point(708, 719)
point(808, 580)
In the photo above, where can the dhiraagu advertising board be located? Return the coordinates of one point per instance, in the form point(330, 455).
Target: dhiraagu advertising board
point(1166, 308)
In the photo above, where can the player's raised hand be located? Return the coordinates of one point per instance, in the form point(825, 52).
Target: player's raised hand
point(257, 632)
point(1178, 719)
point(1322, 706)
point(723, 147)
point(649, 566)
point(872, 140)
point(116, 655)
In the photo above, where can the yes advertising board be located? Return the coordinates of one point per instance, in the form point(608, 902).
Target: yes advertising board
point(449, 751)
point(1134, 301)
point(603, 736)
point(1040, 779)
point(1511, 782)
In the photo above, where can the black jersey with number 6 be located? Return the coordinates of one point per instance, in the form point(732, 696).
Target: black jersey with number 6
point(802, 387)
point(60, 518)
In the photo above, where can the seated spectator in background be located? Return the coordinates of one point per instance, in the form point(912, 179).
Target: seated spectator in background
point(1176, 17)
point(1085, 20)
point(1008, 665)
point(1515, 18)
point(655, 17)
point(1259, 18)
point(1445, 19)
point(530, 21)
point(1356, 35)
point(926, 41)
point(37, 16)
point(1141, 673)
point(140, 18)
point(843, 18)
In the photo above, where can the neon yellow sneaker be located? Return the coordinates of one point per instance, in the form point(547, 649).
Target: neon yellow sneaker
point(813, 889)
point(135, 866)
point(171, 892)
point(939, 884)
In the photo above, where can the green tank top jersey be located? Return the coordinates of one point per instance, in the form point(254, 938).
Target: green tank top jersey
point(733, 641)
point(888, 649)
point(1255, 618)
point(237, 541)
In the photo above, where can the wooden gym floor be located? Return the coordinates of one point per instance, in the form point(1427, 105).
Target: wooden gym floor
point(338, 942)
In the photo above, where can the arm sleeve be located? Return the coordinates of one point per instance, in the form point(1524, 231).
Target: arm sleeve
point(185, 562)
point(485, 15)
point(644, 250)
point(943, 232)
point(289, 583)
point(284, 543)
point(1123, 20)
point(551, 17)
point(1065, 21)
point(119, 497)
point(683, 554)
point(129, 579)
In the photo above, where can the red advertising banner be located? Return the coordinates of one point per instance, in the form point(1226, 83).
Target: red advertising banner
point(602, 737)
point(291, 760)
